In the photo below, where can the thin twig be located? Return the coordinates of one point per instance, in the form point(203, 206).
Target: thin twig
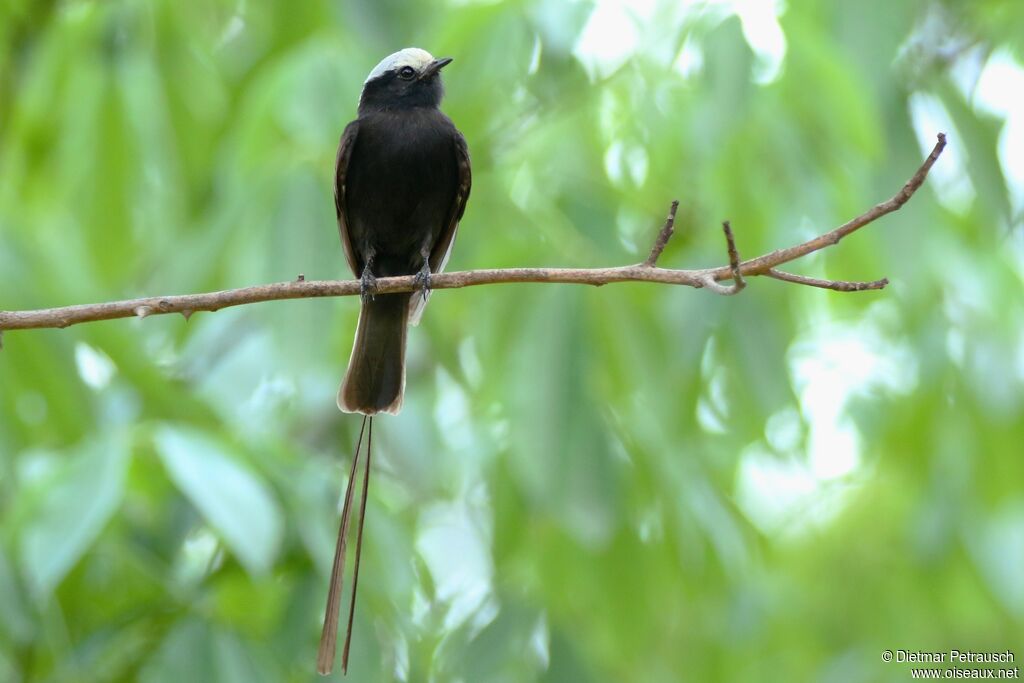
point(664, 235)
point(738, 283)
point(708, 278)
point(762, 264)
point(836, 285)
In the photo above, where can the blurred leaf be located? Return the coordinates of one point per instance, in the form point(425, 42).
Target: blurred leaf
point(232, 498)
point(193, 651)
point(15, 623)
point(72, 511)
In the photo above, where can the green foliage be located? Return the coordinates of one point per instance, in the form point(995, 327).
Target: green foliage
point(632, 483)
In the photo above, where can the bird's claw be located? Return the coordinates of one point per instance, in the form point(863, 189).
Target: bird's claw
point(423, 281)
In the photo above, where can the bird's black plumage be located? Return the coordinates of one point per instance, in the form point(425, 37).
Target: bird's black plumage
point(401, 184)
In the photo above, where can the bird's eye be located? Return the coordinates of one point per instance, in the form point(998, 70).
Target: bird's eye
point(406, 72)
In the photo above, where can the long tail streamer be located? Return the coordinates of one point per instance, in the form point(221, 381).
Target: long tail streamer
point(359, 548)
point(329, 635)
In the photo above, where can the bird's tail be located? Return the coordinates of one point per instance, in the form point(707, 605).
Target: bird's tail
point(375, 379)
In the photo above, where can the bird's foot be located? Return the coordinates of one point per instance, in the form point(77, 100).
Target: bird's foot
point(367, 285)
point(423, 281)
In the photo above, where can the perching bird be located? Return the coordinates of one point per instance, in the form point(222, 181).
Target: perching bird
point(401, 184)
point(402, 178)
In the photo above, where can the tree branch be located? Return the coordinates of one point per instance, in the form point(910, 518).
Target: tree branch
point(663, 236)
point(837, 285)
point(707, 278)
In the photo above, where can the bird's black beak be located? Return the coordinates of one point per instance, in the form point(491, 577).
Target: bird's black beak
point(434, 67)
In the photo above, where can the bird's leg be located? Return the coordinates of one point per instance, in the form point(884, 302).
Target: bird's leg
point(423, 276)
point(367, 281)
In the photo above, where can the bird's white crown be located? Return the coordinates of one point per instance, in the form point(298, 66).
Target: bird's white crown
point(410, 56)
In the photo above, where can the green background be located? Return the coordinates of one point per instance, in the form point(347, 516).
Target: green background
point(631, 483)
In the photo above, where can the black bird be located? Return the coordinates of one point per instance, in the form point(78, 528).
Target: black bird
point(401, 184)
point(402, 178)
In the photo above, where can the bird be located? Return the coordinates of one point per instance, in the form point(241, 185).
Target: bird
point(401, 183)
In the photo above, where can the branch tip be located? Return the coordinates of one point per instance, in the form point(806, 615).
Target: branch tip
point(738, 283)
point(834, 285)
point(664, 235)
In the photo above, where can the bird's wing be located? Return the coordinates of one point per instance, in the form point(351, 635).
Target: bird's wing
point(443, 248)
point(348, 142)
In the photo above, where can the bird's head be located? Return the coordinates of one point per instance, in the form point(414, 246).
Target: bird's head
point(408, 78)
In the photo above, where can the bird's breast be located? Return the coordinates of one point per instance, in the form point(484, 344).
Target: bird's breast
point(401, 181)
